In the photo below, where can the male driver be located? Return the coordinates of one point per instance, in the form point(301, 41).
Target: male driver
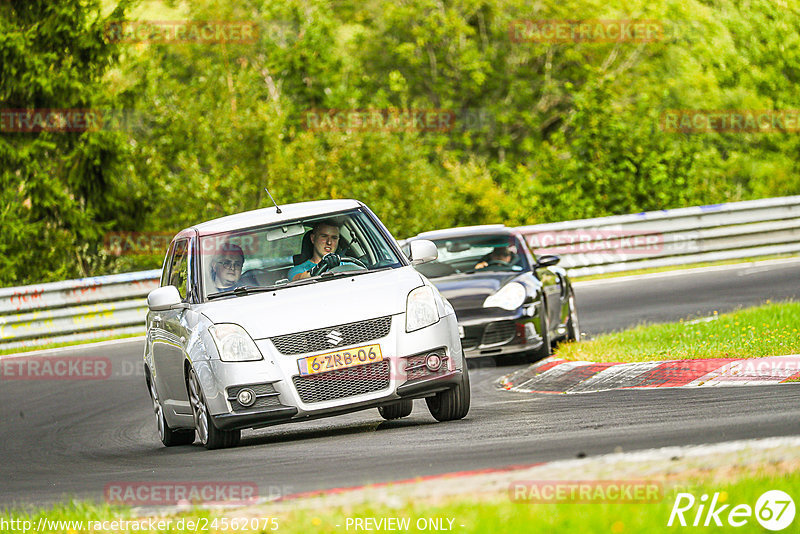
point(501, 255)
point(324, 241)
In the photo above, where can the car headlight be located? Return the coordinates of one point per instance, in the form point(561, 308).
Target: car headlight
point(510, 297)
point(420, 309)
point(234, 344)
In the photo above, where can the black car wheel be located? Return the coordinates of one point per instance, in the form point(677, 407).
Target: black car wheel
point(545, 349)
point(453, 403)
point(169, 437)
point(396, 410)
point(209, 435)
point(573, 325)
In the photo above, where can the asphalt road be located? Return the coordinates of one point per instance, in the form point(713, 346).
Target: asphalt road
point(73, 438)
point(616, 304)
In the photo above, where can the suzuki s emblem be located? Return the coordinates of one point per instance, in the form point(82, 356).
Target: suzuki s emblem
point(334, 337)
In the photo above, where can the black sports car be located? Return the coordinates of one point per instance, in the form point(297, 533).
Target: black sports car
point(506, 299)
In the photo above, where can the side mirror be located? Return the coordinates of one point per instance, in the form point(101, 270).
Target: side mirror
point(163, 298)
point(547, 260)
point(423, 251)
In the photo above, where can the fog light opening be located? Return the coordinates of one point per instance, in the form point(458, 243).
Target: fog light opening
point(433, 362)
point(246, 397)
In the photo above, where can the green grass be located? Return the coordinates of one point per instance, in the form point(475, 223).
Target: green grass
point(767, 330)
point(479, 514)
point(66, 344)
point(670, 268)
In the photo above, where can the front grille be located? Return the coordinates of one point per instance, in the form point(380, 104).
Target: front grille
point(499, 332)
point(266, 396)
point(469, 343)
point(416, 369)
point(343, 382)
point(348, 334)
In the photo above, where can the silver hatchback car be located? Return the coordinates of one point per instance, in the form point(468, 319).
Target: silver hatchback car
point(295, 313)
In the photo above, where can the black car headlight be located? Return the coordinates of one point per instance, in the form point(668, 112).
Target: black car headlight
point(510, 297)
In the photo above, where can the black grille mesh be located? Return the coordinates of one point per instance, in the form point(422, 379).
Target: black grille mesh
point(316, 340)
point(343, 382)
point(499, 332)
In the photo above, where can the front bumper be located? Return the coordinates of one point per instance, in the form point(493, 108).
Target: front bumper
point(404, 377)
point(497, 335)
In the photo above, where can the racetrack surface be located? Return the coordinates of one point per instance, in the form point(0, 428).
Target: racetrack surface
point(620, 303)
point(72, 438)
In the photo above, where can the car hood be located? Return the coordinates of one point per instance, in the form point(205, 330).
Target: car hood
point(326, 303)
point(468, 291)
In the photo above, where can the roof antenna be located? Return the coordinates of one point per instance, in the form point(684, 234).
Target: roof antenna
point(273, 201)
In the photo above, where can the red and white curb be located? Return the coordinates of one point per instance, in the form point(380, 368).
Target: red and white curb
point(554, 375)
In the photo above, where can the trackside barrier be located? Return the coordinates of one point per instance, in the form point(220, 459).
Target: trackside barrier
point(77, 310)
point(680, 236)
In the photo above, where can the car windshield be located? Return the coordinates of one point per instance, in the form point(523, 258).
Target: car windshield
point(476, 254)
point(262, 257)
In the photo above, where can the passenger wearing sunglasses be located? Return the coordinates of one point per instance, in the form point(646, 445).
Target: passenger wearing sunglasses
point(227, 267)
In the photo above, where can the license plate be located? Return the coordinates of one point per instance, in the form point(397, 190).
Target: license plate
point(340, 359)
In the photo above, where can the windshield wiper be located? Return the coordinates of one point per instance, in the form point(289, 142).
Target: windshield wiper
point(239, 291)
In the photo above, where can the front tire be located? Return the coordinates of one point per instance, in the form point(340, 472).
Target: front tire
point(453, 403)
point(396, 410)
point(168, 436)
point(545, 349)
point(209, 435)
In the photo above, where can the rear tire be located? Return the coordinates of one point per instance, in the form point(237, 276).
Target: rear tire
point(168, 436)
point(573, 325)
point(451, 404)
point(396, 410)
point(209, 435)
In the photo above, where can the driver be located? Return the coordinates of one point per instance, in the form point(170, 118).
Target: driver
point(324, 240)
point(226, 269)
point(499, 254)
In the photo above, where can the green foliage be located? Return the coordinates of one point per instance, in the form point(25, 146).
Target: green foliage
point(543, 131)
point(58, 190)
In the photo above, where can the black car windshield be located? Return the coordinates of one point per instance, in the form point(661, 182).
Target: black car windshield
point(273, 256)
point(476, 254)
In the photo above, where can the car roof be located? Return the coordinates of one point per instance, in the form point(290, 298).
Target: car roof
point(249, 219)
point(463, 231)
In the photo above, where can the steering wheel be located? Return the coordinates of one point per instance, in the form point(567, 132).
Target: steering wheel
point(342, 259)
point(498, 263)
point(356, 261)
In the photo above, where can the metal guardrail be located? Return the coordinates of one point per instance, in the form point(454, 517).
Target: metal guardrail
point(89, 308)
point(75, 310)
point(681, 236)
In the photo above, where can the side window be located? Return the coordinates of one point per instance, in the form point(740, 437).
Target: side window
point(179, 269)
point(166, 267)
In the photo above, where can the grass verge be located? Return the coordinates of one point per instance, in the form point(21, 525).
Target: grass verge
point(766, 330)
point(484, 513)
